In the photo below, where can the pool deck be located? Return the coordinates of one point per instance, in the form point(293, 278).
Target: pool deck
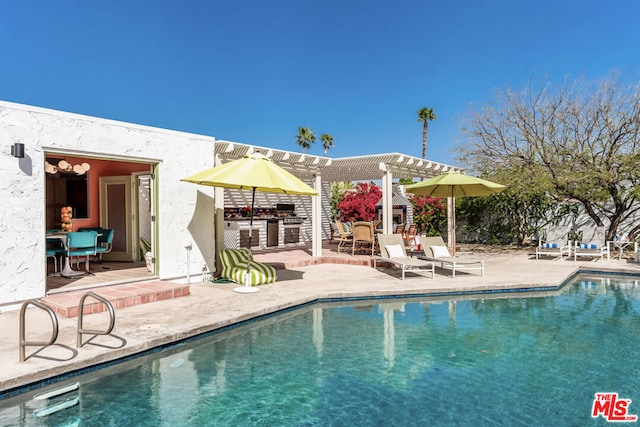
point(210, 306)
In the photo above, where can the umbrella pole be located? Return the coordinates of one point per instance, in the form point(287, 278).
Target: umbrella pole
point(247, 288)
point(451, 222)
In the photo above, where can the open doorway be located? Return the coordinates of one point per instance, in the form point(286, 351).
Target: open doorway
point(110, 194)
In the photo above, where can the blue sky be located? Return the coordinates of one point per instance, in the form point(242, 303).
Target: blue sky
point(253, 71)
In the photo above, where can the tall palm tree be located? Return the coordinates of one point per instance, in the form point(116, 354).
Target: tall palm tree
point(425, 115)
point(327, 142)
point(305, 138)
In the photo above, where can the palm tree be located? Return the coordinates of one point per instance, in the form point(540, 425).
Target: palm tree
point(425, 115)
point(327, 142)
point(305, 138)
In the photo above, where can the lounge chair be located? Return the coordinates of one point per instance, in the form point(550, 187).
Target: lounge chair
point(435, 250)
point(234, 267)
point(591, 250)
point(392, 251)
point(554, 249)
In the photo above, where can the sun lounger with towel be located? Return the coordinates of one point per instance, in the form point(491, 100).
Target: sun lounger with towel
point(435, 250)
point(553, 249)
point(592, 250)
point(392, 251)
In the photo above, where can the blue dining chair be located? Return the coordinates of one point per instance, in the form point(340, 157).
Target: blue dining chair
point(53, 250)
point(82, 243)
point(105, 242)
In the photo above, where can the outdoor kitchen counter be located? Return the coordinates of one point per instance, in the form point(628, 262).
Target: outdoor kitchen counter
point(267, 232)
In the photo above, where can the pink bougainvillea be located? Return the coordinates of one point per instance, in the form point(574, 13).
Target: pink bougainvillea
point(359, 204)
point(428, 213)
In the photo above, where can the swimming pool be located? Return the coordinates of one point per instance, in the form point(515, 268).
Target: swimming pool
point(486, 360)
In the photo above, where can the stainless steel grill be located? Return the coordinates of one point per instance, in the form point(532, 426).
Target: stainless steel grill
point(287, 212)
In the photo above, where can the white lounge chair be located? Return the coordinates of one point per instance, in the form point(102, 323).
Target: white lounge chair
point(554, 249)
point(435, 250)
point(592, 250)
point(392, 251)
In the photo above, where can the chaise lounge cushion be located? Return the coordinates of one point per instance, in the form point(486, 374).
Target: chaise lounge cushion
point(234, 267)
point(440, 252)
point(395, 251)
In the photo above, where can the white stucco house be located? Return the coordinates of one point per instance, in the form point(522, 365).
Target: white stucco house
point(128, 177)
point(181, 216)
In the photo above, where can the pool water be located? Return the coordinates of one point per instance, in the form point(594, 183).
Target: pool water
point(490, 360)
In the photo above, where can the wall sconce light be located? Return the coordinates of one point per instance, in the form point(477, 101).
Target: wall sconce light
point(17, 150)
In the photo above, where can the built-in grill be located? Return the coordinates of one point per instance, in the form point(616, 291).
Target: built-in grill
point(292, 220)
point(287, 211)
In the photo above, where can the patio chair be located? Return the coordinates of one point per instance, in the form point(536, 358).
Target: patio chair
point(435, 250)
point(364, 237)
point(82, 243)
point(410, 235)
point(345, 238)
point(591, 250)
point(392, 251)
point(399, 229)
point(554, 249)
point(234, 267)
point(333, 232)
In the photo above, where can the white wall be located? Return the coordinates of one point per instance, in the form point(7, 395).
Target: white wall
point(185, 210)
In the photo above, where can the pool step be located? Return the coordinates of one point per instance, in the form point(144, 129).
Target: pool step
point(60, 405)
point(57, 392)
point(120, 296)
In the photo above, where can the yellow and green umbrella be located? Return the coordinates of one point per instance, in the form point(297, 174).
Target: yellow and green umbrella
point(255, 172)
point(454, 184)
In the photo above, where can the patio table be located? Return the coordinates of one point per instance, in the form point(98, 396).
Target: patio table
point(620, 245)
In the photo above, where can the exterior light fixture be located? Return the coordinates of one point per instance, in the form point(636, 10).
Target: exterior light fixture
point(64, 166)
point(17, 150)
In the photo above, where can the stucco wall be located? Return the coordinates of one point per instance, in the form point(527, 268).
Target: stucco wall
point(185, 211)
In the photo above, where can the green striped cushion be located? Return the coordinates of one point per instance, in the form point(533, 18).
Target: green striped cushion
point(234, 267)
point(233, 257)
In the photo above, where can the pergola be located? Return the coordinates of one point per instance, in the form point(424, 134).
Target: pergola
point(318, 169)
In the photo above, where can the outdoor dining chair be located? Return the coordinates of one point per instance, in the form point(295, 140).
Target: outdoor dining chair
point(409, 236)
point(344, 237)
point(363, 237)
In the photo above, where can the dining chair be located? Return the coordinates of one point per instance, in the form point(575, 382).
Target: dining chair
point(53, 250)
point(82, 243)
point(363, 236)
point(105, 242)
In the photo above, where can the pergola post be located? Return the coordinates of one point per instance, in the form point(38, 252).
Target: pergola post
point(316, 218)
point(387, 199)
